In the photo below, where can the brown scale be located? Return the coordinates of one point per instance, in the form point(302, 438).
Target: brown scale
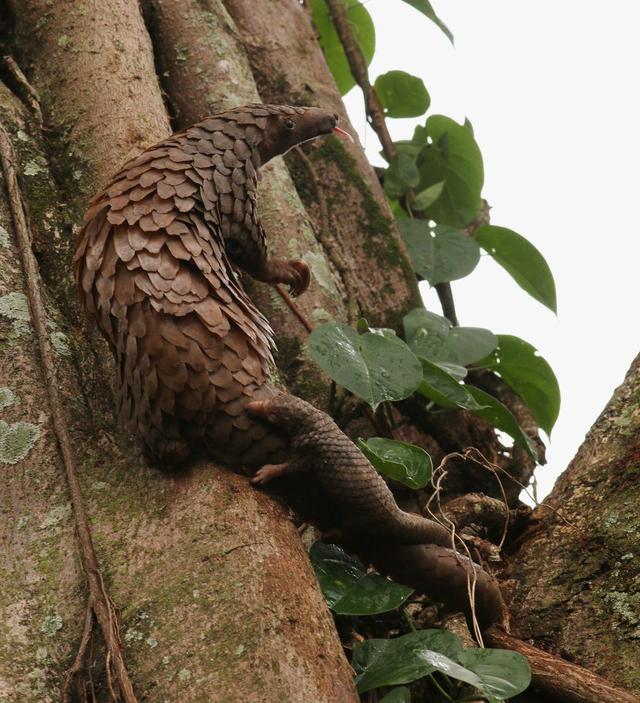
point(154, 266)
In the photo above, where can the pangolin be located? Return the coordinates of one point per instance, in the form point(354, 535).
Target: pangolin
point(154, 264)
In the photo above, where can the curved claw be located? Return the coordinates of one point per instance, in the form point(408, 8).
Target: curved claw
point(300, 277)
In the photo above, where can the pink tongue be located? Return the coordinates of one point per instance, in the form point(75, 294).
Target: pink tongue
point(343, 134)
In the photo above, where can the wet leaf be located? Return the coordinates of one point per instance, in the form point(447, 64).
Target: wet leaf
point(444, 389)
point(441, 254)
point(400, 461)
point(385, 662)
point(503, 673)
point(521, 367)
point(347, 587)
point(433, 337)
point(453, 157)
point(374, 367)
point(524, 263)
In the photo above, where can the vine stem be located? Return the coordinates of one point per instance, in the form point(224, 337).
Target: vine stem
point(376, 117)
point(98, 599)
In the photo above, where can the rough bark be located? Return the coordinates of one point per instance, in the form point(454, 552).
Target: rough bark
point(41, 599)
point(217, 596)
point(289, 66)
point(578, 572)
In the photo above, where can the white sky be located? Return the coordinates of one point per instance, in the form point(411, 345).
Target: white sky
point(552, 91)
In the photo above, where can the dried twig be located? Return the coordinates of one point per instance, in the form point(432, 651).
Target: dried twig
point(99, 600)
point(294, 308)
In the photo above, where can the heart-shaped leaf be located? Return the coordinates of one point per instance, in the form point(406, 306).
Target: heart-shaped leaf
point(374, 367)
point(530, 376)
point(521, 260)
point(453, 157)
point(348, 588)
point(503, 673)
point(400, 461)
point(401, 94)
point(433, 337)
point(500, 417)
point(404, 659)
point(441, 254)
point(363, 29)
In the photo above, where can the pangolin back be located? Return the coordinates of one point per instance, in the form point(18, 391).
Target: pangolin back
point(191, 348)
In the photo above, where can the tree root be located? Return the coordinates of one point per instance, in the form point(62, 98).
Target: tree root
point(560, 680)
point(99, 602)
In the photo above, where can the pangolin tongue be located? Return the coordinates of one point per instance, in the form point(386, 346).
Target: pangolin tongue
point(343, 134)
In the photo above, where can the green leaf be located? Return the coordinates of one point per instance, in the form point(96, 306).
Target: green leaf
point(425, 7)
point(433, 337)
point(452, 157)
point(427, 197)
point(374, 367)
point(444, 389)
point(504, 674)
point(398, 695)
point(363, 30)
point(458, 372)
point(401, 176)
point(500, 417)
point(400, 461)
point(441, 254)
point(404, 659)
point(530, 376)
point(401, 94)
point(347, 587)
point(521, 260)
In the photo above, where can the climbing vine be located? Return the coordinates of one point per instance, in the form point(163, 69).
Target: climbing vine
point(433, 183)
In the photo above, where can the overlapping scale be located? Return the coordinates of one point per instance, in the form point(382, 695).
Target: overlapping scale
point(190, 346)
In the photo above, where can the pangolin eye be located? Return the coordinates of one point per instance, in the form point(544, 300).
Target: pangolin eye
point(289, 123)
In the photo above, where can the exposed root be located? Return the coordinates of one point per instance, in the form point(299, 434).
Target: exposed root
point(29, 93)
point(99, 601)
point(560, 680)
point(81, 663)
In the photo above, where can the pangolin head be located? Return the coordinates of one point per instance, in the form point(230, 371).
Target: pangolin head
point(288, 126)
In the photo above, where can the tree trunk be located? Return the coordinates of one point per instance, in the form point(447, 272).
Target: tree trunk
point(578, 572)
